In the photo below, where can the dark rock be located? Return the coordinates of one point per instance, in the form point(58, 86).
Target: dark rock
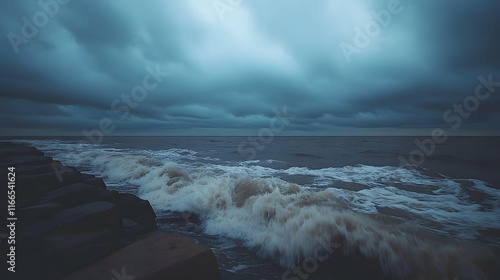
point(87, 217)
point(94, 181)
point(24, 160)
point(72, 195)
point(72, 251)
point(37, 169)
point(18, 150)
point(90, 216)
point(52, 178)
point(136, 209)
point(32, 187)
point(57, 254)
point(37, 212)
point(107, 195)
point(132, 228)
point(157, 256)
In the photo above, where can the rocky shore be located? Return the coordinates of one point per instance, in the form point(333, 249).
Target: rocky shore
point(62, 224)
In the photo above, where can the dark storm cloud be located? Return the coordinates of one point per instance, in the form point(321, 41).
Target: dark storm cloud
point(227, 76)
point(464, 38)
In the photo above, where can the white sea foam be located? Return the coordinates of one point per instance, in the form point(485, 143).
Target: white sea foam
point(286, 221)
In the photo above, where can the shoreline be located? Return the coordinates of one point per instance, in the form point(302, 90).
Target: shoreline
point(68, 225)
point(33, 162)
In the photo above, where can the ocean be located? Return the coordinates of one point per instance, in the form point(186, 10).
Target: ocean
point(265, 206)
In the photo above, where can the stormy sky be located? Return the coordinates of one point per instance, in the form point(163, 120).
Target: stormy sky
point(235, 67)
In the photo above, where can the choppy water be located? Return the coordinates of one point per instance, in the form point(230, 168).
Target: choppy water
point(300, 192)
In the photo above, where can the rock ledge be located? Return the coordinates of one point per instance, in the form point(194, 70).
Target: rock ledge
point(69, 226)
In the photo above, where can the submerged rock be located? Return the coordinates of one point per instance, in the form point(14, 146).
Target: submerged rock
point(157, 256)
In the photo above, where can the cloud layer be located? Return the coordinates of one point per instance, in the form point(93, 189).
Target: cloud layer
point(230, 63)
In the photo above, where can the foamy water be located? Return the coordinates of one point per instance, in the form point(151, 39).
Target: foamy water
point(251, 201)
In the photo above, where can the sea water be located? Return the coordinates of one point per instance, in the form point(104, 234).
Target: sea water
point(264, 211)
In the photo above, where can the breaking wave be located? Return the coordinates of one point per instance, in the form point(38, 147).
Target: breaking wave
point(287, 221)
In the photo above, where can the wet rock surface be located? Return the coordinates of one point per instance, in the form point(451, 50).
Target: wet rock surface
point(70, 226)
